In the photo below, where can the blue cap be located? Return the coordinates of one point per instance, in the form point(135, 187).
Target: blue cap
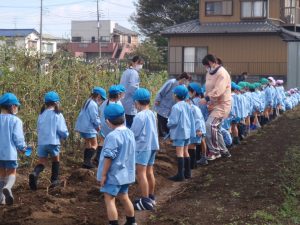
point(181, 91)
point(196, 87)
point(114, 89)
point(234, 86)
point(9, 99)
point(51, 96)
point(100, 91)
point(113, 111)
point(121, 88)
point(141, 94)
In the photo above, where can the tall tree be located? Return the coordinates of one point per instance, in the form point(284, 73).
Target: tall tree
point(152, 16)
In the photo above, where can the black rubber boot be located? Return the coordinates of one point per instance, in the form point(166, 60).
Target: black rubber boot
point(198, 152)
point(97, 156)
point(55, 175)
point(192, 153)
point(88, 155)
point(236, 141)
point(33, 177)
point(180, 174)
point(187, 168)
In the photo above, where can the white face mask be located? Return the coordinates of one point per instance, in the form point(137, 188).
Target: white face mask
point(139, 67)
point(208, 69)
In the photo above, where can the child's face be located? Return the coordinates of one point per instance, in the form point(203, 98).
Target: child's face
point(99, 100)
point(137, 105)
point(111, 126)
point(192, 94)
point(122, 95)
point(15, 109)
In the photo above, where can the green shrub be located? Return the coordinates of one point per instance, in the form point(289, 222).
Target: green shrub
point(71, 78)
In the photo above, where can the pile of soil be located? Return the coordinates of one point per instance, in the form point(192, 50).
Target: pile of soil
point(227, 191)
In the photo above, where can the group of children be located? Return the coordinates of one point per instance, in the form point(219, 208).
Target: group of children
point(126, 151)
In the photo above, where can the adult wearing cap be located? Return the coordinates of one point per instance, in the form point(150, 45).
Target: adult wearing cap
point(218, 99)
point(130, 79)
point(164, 101)
point(11, 141)
point(88, 124)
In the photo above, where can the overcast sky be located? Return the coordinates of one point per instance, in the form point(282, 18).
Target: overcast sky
point(59, 13)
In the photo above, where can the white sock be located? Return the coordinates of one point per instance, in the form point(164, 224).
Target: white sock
point(10, 181)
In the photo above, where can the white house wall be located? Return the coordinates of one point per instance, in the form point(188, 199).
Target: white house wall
point(88, 29)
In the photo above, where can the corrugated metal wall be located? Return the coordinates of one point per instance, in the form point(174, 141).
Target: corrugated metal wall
point(293, 65)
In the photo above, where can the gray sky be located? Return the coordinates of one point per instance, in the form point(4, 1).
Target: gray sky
point(59, 13)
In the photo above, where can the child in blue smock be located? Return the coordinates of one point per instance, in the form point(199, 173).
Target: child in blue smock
point(116, 169)
point(195, 91)
point(114, 96)
point(181, 129)
point(88, 124)
point(144, 129)
point(11, 141)
point(236, 112)
point(51, 128)
point(201, 149)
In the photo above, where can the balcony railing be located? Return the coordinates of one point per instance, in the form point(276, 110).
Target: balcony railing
point(291, 15)
point(234, 68)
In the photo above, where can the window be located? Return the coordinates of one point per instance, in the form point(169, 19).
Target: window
point(32, 44)
point(76, 39)
point(105, 39)
point(192, 57)
point(93, 39)
point(291, 3)
point(254, 9)
point(218, 8)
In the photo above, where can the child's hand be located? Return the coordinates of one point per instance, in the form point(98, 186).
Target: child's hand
point(203, 101)
point(103, 180)
point(210, 107)
point(98, 129)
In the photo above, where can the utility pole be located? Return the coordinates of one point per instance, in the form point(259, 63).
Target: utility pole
point(41, 29)
point(98, 28)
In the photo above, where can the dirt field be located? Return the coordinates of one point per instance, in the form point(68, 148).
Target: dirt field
point(242, 190)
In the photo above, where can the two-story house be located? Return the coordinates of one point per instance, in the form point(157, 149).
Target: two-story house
point(28, 39)
point(254, 36)
point(114, 40)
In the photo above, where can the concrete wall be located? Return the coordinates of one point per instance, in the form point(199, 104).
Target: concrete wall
point(293, 65)
point(88, 29)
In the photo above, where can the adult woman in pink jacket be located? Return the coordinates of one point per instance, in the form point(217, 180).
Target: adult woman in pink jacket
point(218, 100)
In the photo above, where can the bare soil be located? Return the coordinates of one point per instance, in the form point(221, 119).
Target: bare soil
point(227, 191)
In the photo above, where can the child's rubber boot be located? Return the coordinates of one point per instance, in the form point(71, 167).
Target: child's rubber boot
point(97, 156)
point(33, 177)
point(55, 182)
point(198, 152)
point(192, 153)
point(187, 168)
point(180, 174)
point(9, 198)
point(88, 155)
point(236, 141)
